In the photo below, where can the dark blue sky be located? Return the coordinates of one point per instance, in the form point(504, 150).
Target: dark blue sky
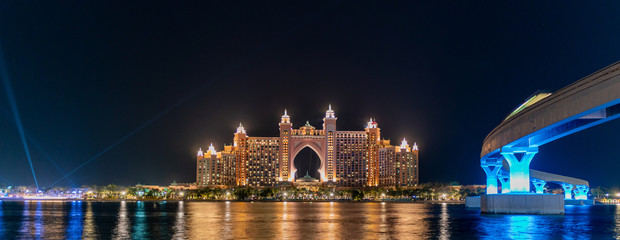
point(441, 73)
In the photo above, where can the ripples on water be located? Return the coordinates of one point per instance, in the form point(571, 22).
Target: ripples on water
point(292, 220)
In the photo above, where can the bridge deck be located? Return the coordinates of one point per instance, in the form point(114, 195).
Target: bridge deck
point(550, 177)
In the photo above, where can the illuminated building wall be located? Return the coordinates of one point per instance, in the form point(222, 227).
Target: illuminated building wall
point(210, 168)
point(329, 125)
point(229, 170)
point(407, 165)
point(351, 158)
point(263, 165)
point(372, 153)
point(239, 146)
point(201, 165)
point(348, 158)
point(286, 128)
point(388, 173)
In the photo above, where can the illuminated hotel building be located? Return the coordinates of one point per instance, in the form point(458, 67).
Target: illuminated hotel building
point(347, 158)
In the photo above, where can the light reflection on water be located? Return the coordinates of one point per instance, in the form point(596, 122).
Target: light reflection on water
point(443, 223)
point(74, 228)
point(122, 223)
point(293, 220)
point(2, 233)
point(139, 230)
point(90, 229)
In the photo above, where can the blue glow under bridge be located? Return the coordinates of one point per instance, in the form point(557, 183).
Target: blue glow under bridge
point(508, 150)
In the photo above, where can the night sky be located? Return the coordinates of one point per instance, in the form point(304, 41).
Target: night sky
point(168, 78)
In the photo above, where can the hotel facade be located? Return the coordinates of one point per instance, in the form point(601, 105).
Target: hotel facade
point(347, 158)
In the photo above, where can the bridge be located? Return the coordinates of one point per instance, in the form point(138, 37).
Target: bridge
point(508, 150)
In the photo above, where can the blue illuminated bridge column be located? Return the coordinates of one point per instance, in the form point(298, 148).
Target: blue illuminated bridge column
point(519, 159)
point(491, 167)
point(567, 190)
point(581, 192)
point(539, 185)
point(504, 179)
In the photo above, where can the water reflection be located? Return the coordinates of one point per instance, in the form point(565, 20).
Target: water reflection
point(74, 228)
point(617, 222)
point(139, 230)
point(121, 231)
point(576, 222)
point(331, 222)
point(521, 226)
point(443, 223)
point(179, 224)
point(26, 221)
point(293, 220)
point(36, 229)
point(2, 227)
point(90, 229)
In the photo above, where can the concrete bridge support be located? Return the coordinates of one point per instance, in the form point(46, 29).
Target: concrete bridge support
point(505, 181)
point(581, 192)
point(539, 185)
point(567, 190)
point(519, 168)
point(491, 167)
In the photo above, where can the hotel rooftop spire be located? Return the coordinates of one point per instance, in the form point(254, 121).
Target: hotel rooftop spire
point(330, 113)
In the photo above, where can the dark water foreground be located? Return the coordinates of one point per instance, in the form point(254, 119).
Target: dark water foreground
point(292, 220)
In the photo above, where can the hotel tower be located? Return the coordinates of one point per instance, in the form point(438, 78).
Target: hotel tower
point(347, 158)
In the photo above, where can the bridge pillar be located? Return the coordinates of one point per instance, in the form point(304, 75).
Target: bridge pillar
point(519, 168)
point(505, 181)
point(539, 185)
point(581, 192)
point(491, 167)
point(567, 190)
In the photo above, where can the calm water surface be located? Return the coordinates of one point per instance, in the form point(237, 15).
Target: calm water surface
point(292, 220)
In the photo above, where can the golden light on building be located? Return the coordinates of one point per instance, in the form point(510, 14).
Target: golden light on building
point(347, 158)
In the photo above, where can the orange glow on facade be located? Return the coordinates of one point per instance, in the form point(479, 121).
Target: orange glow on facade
point(347, 158)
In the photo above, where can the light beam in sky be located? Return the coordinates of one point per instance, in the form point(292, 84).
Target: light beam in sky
point(4, 72)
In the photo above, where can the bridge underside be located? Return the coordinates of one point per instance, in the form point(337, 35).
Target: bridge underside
point(571, 125)
point(509, 149)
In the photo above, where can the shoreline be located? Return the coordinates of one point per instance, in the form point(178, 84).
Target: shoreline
point(214, 200)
